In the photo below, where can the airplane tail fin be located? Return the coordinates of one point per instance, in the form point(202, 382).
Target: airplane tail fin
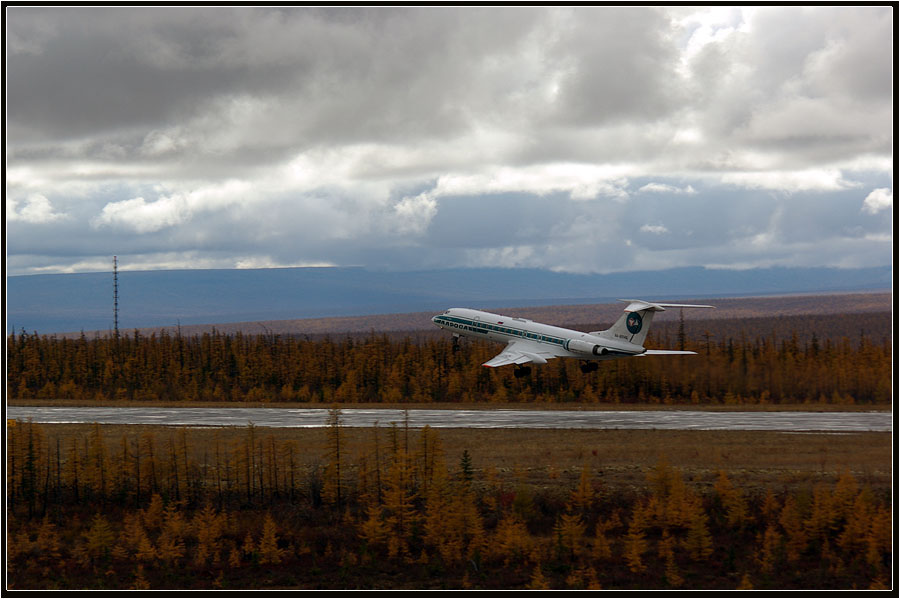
point(634, 324)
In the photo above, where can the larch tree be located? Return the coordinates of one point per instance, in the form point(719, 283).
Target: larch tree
point(569, 533)
point(269, 553)
point(636, 539)
point(207, 526)
point(398, 506)
point(792, 525)
point(332, 484)
point(99, 538)
point(733, 502)
point(698, 542)
point(582, 498)
point(511, 540)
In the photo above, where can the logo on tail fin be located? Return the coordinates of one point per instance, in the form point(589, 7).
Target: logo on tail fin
point(634, 323)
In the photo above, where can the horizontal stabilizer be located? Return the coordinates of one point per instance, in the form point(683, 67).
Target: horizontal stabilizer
point(667, 352)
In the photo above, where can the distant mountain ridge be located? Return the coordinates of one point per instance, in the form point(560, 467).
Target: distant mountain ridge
point(74, 302)
point(789, 308)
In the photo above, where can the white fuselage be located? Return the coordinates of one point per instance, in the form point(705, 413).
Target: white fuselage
point(559, 341)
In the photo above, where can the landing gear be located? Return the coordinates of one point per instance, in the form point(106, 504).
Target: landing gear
point(521, 371)
point(455, 347)
point(587, 367)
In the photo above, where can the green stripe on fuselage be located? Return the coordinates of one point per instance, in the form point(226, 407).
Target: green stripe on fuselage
point(485, 328)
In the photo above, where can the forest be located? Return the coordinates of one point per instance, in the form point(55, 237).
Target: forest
point(759, 361)
point(157, 508)
point(154, 510)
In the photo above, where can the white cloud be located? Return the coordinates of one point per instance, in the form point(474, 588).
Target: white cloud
point(414, 214)
point(654, 229)
point(878, 200)
point(37, 210)
point(252, 262)
point(141, 216)
point(711, 25)
point(813, 179)
point(664, 188)
point(580, 181)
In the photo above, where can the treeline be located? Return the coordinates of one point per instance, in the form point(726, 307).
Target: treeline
point(217, 367)
point(147, 512)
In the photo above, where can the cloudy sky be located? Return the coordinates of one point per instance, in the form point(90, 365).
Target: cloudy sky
point(574, 138)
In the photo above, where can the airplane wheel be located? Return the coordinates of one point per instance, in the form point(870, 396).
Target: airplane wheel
point(520, 372)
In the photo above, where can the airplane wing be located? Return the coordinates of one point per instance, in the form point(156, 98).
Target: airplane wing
point(665, 352)
point(520, 352)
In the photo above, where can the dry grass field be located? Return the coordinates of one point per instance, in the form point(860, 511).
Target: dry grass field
point(552, 460)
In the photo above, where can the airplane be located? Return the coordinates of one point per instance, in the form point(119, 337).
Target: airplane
point(533, 342)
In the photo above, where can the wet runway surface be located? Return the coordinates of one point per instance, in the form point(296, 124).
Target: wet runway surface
point(557, 419)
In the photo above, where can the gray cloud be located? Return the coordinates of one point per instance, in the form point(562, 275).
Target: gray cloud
point(574, 138)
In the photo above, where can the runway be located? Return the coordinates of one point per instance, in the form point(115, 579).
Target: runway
point(554, 419)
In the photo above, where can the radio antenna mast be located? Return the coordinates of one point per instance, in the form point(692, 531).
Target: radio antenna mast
point(116, 296)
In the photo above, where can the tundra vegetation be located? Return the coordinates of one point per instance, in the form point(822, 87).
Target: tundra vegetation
point(251, 508)
point(390, 507)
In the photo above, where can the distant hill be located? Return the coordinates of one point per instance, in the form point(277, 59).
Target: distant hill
point(83, 302)
point(579, 316)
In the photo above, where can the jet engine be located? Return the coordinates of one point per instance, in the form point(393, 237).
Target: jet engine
point(583, 347)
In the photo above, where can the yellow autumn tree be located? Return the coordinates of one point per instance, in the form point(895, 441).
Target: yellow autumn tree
point(269, 553)
point(823, 516)
point(170, 544)
point(207, 526)
point(602, 547)
point(666, 551)
point(96, 471)
point(794, 533)
point(332, 484)
point(569, 532)
point(133, 537)
point(248, 547)
point(844, 495)
point(46, 545)
point(698, 542)
point(770, 507)
point(398, 506)
point(99, 538)
point(538, 580)
point(636, 539)
point(733, 502)
point(767, 556)
point(853, 537)
point(373, 528)
point(153, 514)
point(879, 539)
point(582, 498)
point(511, 540)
